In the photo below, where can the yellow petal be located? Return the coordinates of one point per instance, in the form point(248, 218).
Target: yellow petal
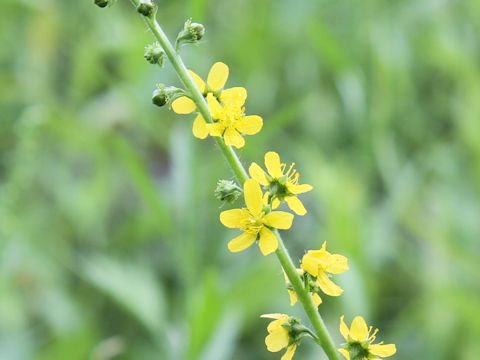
point(289, 354)
point(253, 197)
point(382, 350)
point(249, 125)
point(214, 106)
point(277, 324)
point(241, 242)
point(274, 316)
point(257, 173)
point(317, 300)
point(359, 329)
point(216, 129)
point(183, 105)
point(327, 285)
point(337, 264)
point(268, 242)
point(217, 77)
point(265, 198)
point(275, 204)
point(234, 218)
point(199, 128)
point(278, 220)
point(293, 297)
point(198, 81)
point(345, 353)
point(277, 340)
point(235, 96)
point(299, 189)
point(310, 264)
point(272, 162)
point(233, 138)
point(344, 328)
point(322, 256)
point(296, 205)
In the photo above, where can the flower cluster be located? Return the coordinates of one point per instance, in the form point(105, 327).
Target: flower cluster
point(263, 193)
point(220, 112)
point(227, 109)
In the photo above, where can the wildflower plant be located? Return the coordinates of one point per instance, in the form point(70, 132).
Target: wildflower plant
point(221, 113)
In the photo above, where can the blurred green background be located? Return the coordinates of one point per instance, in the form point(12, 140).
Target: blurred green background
point(111, 246)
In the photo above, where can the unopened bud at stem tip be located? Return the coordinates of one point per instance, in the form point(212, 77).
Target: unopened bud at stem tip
point(146, 8)
point(102, 3)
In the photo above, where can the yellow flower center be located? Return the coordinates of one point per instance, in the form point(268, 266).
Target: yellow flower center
point(253, 224)
point(230, 115)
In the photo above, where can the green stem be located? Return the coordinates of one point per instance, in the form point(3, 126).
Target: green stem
point(230, 155)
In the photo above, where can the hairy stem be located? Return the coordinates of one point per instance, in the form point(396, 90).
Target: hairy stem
point(240, 173)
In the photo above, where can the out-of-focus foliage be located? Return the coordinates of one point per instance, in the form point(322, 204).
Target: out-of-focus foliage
point(111, 246)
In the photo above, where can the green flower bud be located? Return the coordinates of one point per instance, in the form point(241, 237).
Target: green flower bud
point(154, 54)
point(163, 95)
point(192, 33)
point(358, 351)
point(159, 97)
point(146, 8)
point(197, 31)
point(102, 3)
point(227, 191)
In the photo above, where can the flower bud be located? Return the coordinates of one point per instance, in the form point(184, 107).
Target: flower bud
point(163, 95)
point(146, 8)
point(197, 31)
point(102, 3)
point(154, 54)
point(227, 191)
point(192, 33)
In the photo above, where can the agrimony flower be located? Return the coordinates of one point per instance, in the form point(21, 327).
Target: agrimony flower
point(230, 121)
point(359, 341)
point(281, 336)
point(256, 221)
point(216, 80)
point(321, 263)
point(282, 182)
point(226, 106)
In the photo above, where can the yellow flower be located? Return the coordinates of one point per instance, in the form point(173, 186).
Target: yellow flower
point(278, 336)
point(317, 300)
point(359, 341)
point(282, 182)
point(216, 80)
point(320, 263)
point(217, 77)
point(255, 221)
point(226, 106)
point(229, 117)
